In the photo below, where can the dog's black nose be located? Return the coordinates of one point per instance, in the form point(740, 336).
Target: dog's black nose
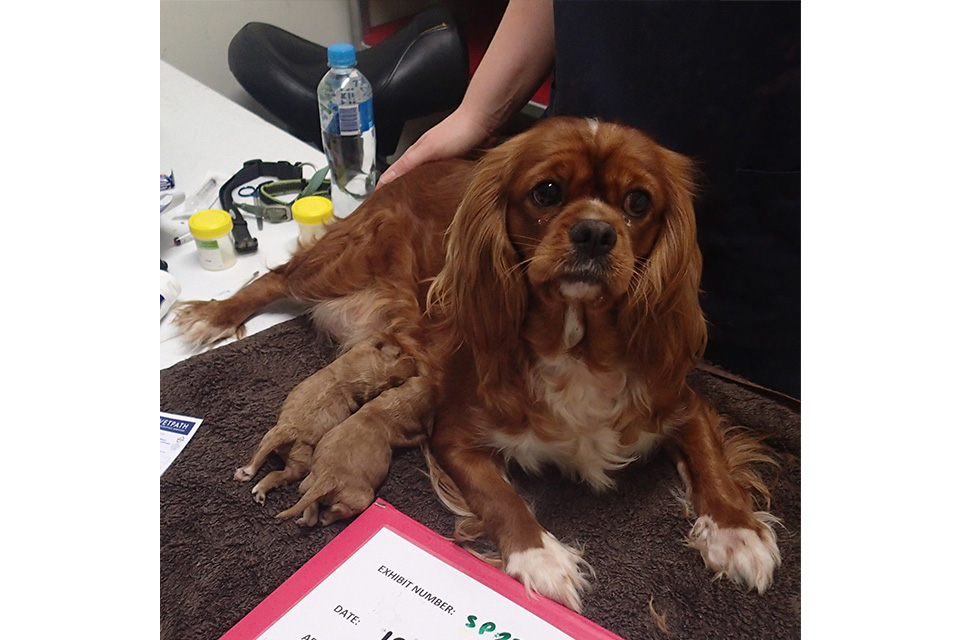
point(593, 238)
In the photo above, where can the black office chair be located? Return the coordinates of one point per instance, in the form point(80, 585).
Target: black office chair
point(419, 70)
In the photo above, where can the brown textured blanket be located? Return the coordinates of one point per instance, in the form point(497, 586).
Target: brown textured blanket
point(221, 554)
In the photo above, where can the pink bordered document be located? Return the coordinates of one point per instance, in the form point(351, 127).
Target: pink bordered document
point(388, 577)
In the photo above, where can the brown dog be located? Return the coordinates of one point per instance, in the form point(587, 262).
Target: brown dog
point(563, 319)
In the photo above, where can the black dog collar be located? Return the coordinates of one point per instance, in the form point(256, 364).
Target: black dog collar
point(251, 170)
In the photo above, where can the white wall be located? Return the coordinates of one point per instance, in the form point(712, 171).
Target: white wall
point(195, 34)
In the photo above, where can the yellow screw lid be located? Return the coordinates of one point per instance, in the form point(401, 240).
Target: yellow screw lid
point(210, 224)
point(313, 210)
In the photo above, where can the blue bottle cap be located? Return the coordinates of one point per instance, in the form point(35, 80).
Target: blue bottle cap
point(341, 55)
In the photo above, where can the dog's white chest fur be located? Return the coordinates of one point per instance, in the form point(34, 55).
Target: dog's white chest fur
point(584, 413)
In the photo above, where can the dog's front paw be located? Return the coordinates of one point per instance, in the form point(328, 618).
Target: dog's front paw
point(554, 570)
point(199, 323)
point(743, 555)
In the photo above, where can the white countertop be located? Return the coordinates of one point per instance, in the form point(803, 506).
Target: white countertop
point(201, 134)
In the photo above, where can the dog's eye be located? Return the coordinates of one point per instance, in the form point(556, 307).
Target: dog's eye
point(546, 194)
point(637, 203)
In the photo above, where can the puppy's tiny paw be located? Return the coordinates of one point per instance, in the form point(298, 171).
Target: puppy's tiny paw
point(743, 555)
point(554, 570)
point(243, 474)
point(310, 516)
point(259, 496)
point(344, 510)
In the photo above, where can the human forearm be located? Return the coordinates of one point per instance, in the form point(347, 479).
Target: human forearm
point(518, 60)
point(516, 63)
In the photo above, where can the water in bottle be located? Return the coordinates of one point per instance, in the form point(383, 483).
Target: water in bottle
point(347, 129)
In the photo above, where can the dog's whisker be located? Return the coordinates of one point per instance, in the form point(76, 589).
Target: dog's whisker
point(520, 264)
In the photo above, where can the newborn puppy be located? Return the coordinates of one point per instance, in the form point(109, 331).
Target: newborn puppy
point(353, 459)
point(320, 403)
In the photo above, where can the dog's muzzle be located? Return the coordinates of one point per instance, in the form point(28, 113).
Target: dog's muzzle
point(591, 243)
point(592, 238)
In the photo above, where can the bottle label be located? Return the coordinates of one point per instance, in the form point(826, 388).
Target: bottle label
point(350, 112)
point(355, 119)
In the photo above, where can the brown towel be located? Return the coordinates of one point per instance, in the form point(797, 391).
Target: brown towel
point(221, 554)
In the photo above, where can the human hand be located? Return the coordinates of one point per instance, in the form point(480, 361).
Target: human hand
point(454, 136)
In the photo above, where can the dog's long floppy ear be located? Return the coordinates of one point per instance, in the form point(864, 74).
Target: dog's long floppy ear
point(481, 286)
point(663, 306)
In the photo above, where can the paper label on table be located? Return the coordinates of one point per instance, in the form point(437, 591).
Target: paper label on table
point(388, 577)
point(175, 433)
point(391, 589)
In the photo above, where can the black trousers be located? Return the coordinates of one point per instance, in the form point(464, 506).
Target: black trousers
point(719, 82)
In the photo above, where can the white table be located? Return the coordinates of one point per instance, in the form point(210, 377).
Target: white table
point(202, 133)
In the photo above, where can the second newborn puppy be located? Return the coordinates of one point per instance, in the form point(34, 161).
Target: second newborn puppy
point(320, 403)
point(354, 458)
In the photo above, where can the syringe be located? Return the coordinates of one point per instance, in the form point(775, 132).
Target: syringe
point(204, 198)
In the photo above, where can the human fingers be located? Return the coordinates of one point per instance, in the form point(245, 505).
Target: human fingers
point(452, 137)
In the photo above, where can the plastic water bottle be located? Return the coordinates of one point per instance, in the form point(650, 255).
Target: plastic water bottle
point(346, 125)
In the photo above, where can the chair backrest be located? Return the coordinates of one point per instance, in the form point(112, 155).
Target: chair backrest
point(419, 70)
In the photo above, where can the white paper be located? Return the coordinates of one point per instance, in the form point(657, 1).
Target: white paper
point(175, 433)
point(391, 589)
